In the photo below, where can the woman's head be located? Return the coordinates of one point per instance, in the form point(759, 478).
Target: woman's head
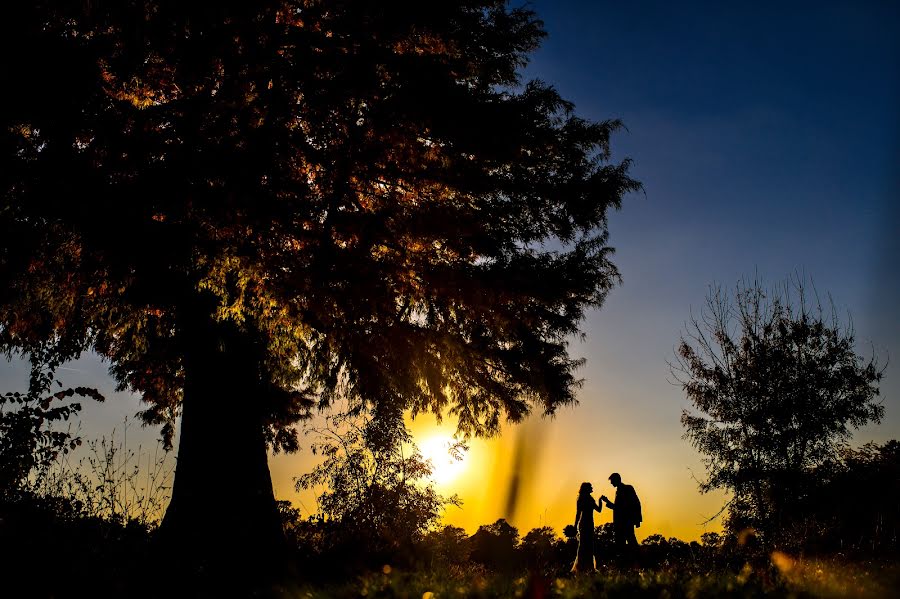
point(586, 489)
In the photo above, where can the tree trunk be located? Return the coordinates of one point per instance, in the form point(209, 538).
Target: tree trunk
point(223, 512)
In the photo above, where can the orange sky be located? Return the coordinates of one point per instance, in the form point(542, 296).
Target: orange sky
point(557, 455)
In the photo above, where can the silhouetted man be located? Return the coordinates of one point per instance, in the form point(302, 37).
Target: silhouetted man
point(626, 514)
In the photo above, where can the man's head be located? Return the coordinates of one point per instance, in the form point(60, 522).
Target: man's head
point(615, 479)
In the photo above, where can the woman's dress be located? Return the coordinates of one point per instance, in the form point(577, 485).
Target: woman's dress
point(584, 561)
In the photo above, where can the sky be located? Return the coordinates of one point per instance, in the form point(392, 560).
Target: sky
point(767, 138)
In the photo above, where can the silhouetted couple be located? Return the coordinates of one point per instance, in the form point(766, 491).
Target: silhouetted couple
point(626, 516)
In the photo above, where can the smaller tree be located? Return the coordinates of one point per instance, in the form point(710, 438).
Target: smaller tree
point(494, 546)
point(874, 467)
point(605, 542)
point(777, 387)
point(377, 495)
point(445, 548)
point(538, 547)
point(836, 524)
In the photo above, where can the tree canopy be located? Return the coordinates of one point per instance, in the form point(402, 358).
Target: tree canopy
point(365, 193)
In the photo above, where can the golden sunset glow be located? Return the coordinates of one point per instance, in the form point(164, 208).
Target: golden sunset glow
point(446, 467)
point(555, 457)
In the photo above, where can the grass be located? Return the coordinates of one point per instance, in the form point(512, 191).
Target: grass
point(785, 577)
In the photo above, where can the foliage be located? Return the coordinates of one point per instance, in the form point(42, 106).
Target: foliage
point(29, 442)
point(376, 492)
point(538, 545)
point(604, 541)
point(494, 546)
point(113, 482)
point(337, 185)
point(110, 481)
point(95, 514)
point(446, 547)
point(834, 523)
point(877, 526)
point(777, 387)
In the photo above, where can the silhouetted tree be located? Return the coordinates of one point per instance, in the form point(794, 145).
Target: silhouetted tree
point(876, 524)
point(494, 546)
point(538, 547)
point(377, 494)
point(833, 522)
point(249, 208)
point(656, 548)
point(445, 547)
point(711, 540)
point(777, 387)
point(605, 542)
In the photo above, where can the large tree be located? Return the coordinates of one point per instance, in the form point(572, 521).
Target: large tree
point(777, 388)
point(252, 208)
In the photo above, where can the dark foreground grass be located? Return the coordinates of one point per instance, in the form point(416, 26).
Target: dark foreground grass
point(46, 555)
point(784, 577)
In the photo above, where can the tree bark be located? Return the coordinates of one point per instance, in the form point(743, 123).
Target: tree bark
point(223, 512)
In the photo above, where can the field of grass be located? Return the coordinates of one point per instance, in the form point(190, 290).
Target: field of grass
point(785, 577)
point(101, 558)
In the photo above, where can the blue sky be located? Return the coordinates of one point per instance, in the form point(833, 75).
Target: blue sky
point(767, 137)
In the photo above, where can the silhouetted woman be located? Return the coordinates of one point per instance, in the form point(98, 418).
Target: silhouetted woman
point(584, 523)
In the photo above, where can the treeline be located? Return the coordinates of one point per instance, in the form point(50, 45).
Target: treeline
point(853, 510)
point(493, 548)
point(851, 504)
point(854, 513)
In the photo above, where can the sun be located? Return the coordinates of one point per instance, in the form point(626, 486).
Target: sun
point(445, 466)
